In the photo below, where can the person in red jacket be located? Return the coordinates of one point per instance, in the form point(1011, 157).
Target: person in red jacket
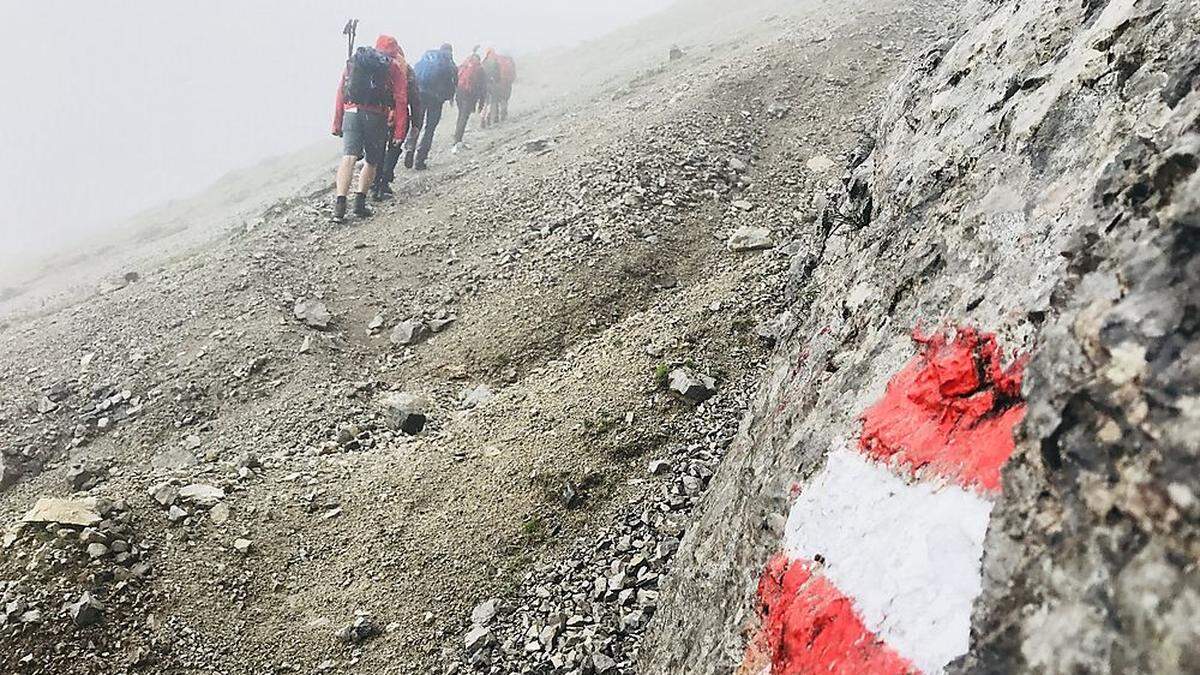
point(471, 93)
point(363, 125)
point(501, 73)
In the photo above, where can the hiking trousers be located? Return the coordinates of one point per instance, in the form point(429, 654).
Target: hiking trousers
point(466, 103)
point(433, 117)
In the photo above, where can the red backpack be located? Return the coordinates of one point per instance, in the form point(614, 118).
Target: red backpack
point(508, 69)
point(469, 75)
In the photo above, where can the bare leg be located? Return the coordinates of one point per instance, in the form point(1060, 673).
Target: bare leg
point(345, 174)
point(366, 177)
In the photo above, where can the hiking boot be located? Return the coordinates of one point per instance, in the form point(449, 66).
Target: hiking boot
point(381, 193)
point(408, 159)
point(339, 210)
point(360, 205)
point(386, 191)
point(421, 165)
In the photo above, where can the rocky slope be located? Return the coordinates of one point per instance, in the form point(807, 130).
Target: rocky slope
point(692, 361)
point(228, 432)
point(1036, 178)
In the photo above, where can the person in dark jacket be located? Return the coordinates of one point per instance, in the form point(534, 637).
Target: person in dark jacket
point(471, 94)
point(437, 78)
point(383, 181)
point(363, 128)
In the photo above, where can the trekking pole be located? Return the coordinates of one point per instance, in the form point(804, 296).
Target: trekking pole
point(349, 31)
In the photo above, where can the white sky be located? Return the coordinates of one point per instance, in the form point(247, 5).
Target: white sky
point(112, 107)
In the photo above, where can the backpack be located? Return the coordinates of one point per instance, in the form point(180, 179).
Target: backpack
point(435, 75)
point(508, 69)
point(468, 76)
point(369, 78)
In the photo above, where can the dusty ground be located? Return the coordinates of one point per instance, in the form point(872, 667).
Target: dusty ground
point(578, 269)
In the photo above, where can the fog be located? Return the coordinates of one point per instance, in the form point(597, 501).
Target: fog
point(118, 106)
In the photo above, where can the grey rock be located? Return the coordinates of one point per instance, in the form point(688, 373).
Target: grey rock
point(45, 406)
point(86, 611)
point(477, 638)
point(313, 313)
point(477, 396)
point(9, 471)
point(537, 145)
point(439, 325)
point(76, 512)
point(484, 612)
point(219, 514)
point(201, 494)
point(361, 629)
point(409, 332)
point(165, 494)
point(778, 110)
point(176, 514)
point(690, 386)
point(86, 475)
point(603, 664)
point(749, 238)
point(404, 412)
point(174, 458)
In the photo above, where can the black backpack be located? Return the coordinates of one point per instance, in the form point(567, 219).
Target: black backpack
point(369, 78)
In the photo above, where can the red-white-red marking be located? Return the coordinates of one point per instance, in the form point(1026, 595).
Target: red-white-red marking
point(880, 562)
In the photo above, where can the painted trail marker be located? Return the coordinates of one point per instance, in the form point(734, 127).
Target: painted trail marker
point(880, 561)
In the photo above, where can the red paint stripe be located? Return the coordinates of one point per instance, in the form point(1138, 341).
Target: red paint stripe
point(951, 410)
point(808, 626)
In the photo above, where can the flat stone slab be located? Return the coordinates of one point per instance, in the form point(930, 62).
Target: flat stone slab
point(77, 512)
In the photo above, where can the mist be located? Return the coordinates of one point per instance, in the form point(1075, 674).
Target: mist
point(117, 107)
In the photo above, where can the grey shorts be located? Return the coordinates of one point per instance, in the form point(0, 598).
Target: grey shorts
point(364, 135)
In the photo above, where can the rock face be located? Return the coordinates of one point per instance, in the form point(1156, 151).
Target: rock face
point(1076, 245)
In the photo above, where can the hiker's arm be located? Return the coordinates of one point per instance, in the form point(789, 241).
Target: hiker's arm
point(414, 104)
point(400, 101)
point(339, 108)
point(452, 79)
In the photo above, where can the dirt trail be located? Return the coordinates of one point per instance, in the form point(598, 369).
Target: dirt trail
point(581, 252)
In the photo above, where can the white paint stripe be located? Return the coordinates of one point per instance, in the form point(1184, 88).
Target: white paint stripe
point(907, 553)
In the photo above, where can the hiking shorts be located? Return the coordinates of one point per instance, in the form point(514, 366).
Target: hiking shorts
point(364, 135)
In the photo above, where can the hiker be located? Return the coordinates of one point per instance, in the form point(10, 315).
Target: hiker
point(437, 78)
point(383, 182)
point(501, 73)
point(491, 69)
point(508, 77)
point(374, 85)
point(470, 95)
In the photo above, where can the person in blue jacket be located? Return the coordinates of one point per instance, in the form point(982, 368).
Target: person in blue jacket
point(437, 79)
